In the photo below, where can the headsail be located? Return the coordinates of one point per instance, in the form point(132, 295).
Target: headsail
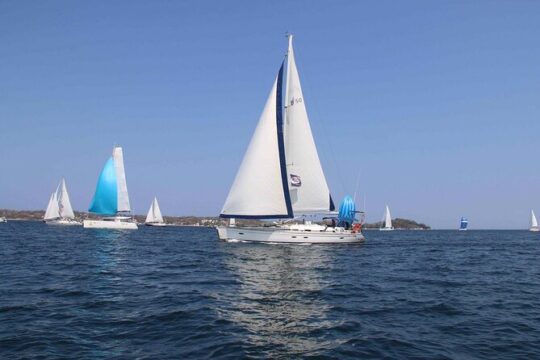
point(308, 187)
point(105, 197)
point(64, 204)
point(52, 208)
point(260, 189)
point(154, 213)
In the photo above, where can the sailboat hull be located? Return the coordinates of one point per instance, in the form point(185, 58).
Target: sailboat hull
point(63, 222)
point(113, 223)
point(534, 229)
point(155, 224)
point(386, 229)
point(287, 236)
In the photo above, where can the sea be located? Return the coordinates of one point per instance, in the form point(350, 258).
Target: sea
point(180, 293)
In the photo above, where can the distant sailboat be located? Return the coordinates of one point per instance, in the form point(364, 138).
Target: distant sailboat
point(281, 175)
point(534, 223)
point(154, 217)
point(59, 210)
point(387, 220)
point(463, 224)
point(3, 219)
point(111, 198)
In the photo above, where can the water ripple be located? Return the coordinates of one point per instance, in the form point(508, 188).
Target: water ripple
point(180, 293)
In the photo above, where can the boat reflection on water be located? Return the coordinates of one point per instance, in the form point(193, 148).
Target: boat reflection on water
point(281, 301)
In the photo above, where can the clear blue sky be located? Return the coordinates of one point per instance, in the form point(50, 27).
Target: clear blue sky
point(436, 102)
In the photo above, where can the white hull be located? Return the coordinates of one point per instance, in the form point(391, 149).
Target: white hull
point(63, 222)
point(534, 229)
point(155, 224)
point(462, 229)
point(113, 223)
point(386, 229)
point(284, 235)
point(3, 220)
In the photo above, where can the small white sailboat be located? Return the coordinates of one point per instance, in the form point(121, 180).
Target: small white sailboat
point(463, 224)
point(59, 210)
point(3, 219)
point(534, 222)
point(154, 217)
point(387, 220)
point(111, 199)
point(281, 175)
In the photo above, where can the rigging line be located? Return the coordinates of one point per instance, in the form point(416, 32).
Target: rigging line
point(316, 112)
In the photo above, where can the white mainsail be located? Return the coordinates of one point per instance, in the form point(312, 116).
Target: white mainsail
point(387, 218)
point(52, 211)
point(534, 222)
point(154, 213)
point(308, 187)
point(258, 189)
point(122, 191)
point(64, 204)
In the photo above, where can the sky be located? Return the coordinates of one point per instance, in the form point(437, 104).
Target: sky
point(434, 106)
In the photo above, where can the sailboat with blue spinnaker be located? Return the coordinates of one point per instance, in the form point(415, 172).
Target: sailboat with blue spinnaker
point(111, 199)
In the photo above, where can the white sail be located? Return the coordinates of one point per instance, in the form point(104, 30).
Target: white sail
point(52, 211)
point(534, 222)
point(154, 213)
point(48, 211)
point(121, 186)
point(64, 204)
point(258, 189)
point(308, 187)
point(387, 218)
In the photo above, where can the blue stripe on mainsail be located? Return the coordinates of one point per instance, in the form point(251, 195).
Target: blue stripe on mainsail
point(281, 142)
point(105, 201)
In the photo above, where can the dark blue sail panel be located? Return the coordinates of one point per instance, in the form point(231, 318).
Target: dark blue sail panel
point(105, 200)
point(281, 142)
point(332, 206)
point(463, 223)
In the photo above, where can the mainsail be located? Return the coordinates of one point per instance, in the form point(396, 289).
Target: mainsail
point(534, 222)
point(64, 204)
point(111, 194)
point(308, 187)
point(387, 218)
point(260, 189)
point(154, 213)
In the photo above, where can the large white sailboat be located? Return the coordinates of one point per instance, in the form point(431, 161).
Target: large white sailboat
point(111, 198)
point(59, 210)
point(534, 222)
point(154, 217)
point(387, 220)
point(281, 175)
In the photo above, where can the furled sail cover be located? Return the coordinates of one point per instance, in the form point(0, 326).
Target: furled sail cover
point(260, 189)
point(308, 191)
point(105, 199)
point(123, 198)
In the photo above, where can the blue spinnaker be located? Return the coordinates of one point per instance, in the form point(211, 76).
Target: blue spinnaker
point(347, 211)
point(105, 200)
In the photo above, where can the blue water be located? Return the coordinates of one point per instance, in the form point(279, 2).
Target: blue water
point(181, 293)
